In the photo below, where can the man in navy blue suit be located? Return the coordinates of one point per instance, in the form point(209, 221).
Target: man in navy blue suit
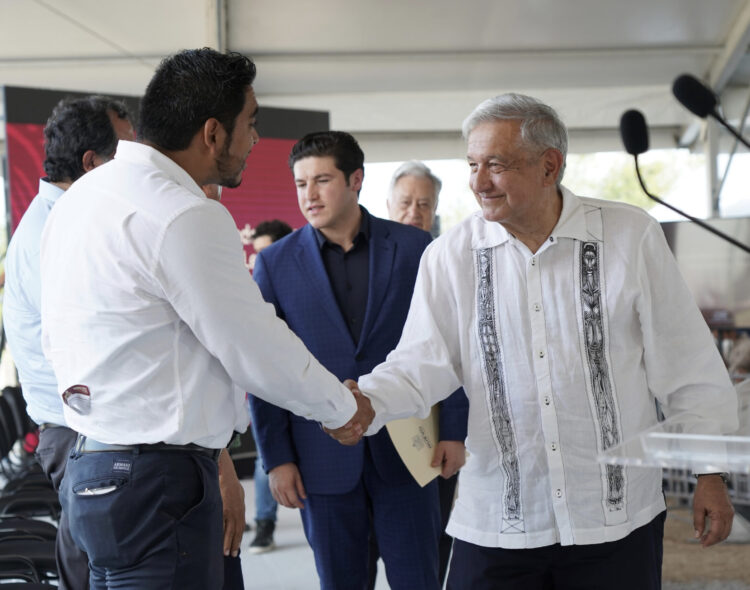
point(343, 284)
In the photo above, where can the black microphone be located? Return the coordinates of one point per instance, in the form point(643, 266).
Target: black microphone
point(694, 95)
point(634, 133)
point(700, 100)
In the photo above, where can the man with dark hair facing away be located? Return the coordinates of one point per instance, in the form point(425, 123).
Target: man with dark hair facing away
point(80, 135)
point(155, 330)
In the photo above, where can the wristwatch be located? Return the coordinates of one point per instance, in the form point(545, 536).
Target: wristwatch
point(722, 474)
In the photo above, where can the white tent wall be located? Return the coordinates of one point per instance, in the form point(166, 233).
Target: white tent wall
point(402, 76)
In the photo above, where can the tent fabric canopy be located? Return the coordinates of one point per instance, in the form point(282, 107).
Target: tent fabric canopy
point(402, 76)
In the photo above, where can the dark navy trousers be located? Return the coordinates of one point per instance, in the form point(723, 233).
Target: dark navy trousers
point(406, 521)
point(147, 520)
point(627, 564)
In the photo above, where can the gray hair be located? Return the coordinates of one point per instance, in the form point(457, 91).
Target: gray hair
point(415, 168)
point(541, 127)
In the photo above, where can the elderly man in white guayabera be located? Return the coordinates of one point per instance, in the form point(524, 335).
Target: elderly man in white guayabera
point(563, 318)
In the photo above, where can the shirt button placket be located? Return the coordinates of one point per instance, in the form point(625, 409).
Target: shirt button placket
point(550, 431)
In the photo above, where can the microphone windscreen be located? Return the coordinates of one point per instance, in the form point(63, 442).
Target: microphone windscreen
point(634, 132)
point(694, 95)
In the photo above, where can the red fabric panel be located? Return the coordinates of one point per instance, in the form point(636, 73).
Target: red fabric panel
point(267, 190)
point(25, 150)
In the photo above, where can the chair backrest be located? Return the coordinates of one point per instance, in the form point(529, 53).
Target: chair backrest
point(8, 436)
point(17, 404)
point(8, 429)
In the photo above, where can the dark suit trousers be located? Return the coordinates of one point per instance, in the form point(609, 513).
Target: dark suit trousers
point(446, 492)
point(406, 520)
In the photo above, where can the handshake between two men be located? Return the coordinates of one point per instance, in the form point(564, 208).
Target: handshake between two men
point(353, 431)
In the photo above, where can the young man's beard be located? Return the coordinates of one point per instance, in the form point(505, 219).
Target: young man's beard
point(227, 176)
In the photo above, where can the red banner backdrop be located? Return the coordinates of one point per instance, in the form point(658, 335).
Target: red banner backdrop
point(25, 152)
point(267, 190)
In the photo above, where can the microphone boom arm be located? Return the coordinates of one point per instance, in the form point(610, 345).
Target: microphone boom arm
point(695, 220)
point(729, 128)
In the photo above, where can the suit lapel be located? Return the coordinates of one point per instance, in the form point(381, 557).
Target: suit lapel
point(382, 253)
point(316, 279)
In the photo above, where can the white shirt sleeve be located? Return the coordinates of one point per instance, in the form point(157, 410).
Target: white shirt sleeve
point(200, 269)
point(683, 367)
point(425, 366)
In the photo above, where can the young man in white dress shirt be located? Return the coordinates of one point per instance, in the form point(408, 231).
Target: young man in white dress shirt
point(563, 318)
point(155, 330)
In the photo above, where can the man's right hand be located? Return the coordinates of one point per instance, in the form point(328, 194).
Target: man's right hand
point(351, 432)
point(286, 486)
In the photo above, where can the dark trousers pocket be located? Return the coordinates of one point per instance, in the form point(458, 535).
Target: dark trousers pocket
point(160, 527)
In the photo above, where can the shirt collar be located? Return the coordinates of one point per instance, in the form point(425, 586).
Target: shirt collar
point(142, 154)
point(571, 224)
point(362, 234)
point(48, 191)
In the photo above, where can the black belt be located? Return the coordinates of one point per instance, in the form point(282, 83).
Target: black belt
point(89, 445)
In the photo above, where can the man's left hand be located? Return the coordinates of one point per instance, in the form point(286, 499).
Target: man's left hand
point(451, 454)
point(711, 501)
point(353, 431)
point(233, 500)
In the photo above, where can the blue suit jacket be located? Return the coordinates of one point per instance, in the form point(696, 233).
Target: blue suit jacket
point(291, 275)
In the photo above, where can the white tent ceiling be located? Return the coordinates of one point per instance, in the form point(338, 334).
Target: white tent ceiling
point(402, 75)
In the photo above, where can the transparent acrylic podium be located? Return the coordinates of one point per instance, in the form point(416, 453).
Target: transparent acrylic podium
point(676, 443)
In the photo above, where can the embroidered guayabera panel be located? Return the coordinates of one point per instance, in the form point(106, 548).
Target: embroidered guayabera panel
point(499, 406)
point(595, 341)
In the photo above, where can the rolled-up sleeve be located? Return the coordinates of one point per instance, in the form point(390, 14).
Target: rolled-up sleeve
point(425, 366)
point(200, 270)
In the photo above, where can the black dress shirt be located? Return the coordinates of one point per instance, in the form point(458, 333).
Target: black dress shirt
point(349, 274)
